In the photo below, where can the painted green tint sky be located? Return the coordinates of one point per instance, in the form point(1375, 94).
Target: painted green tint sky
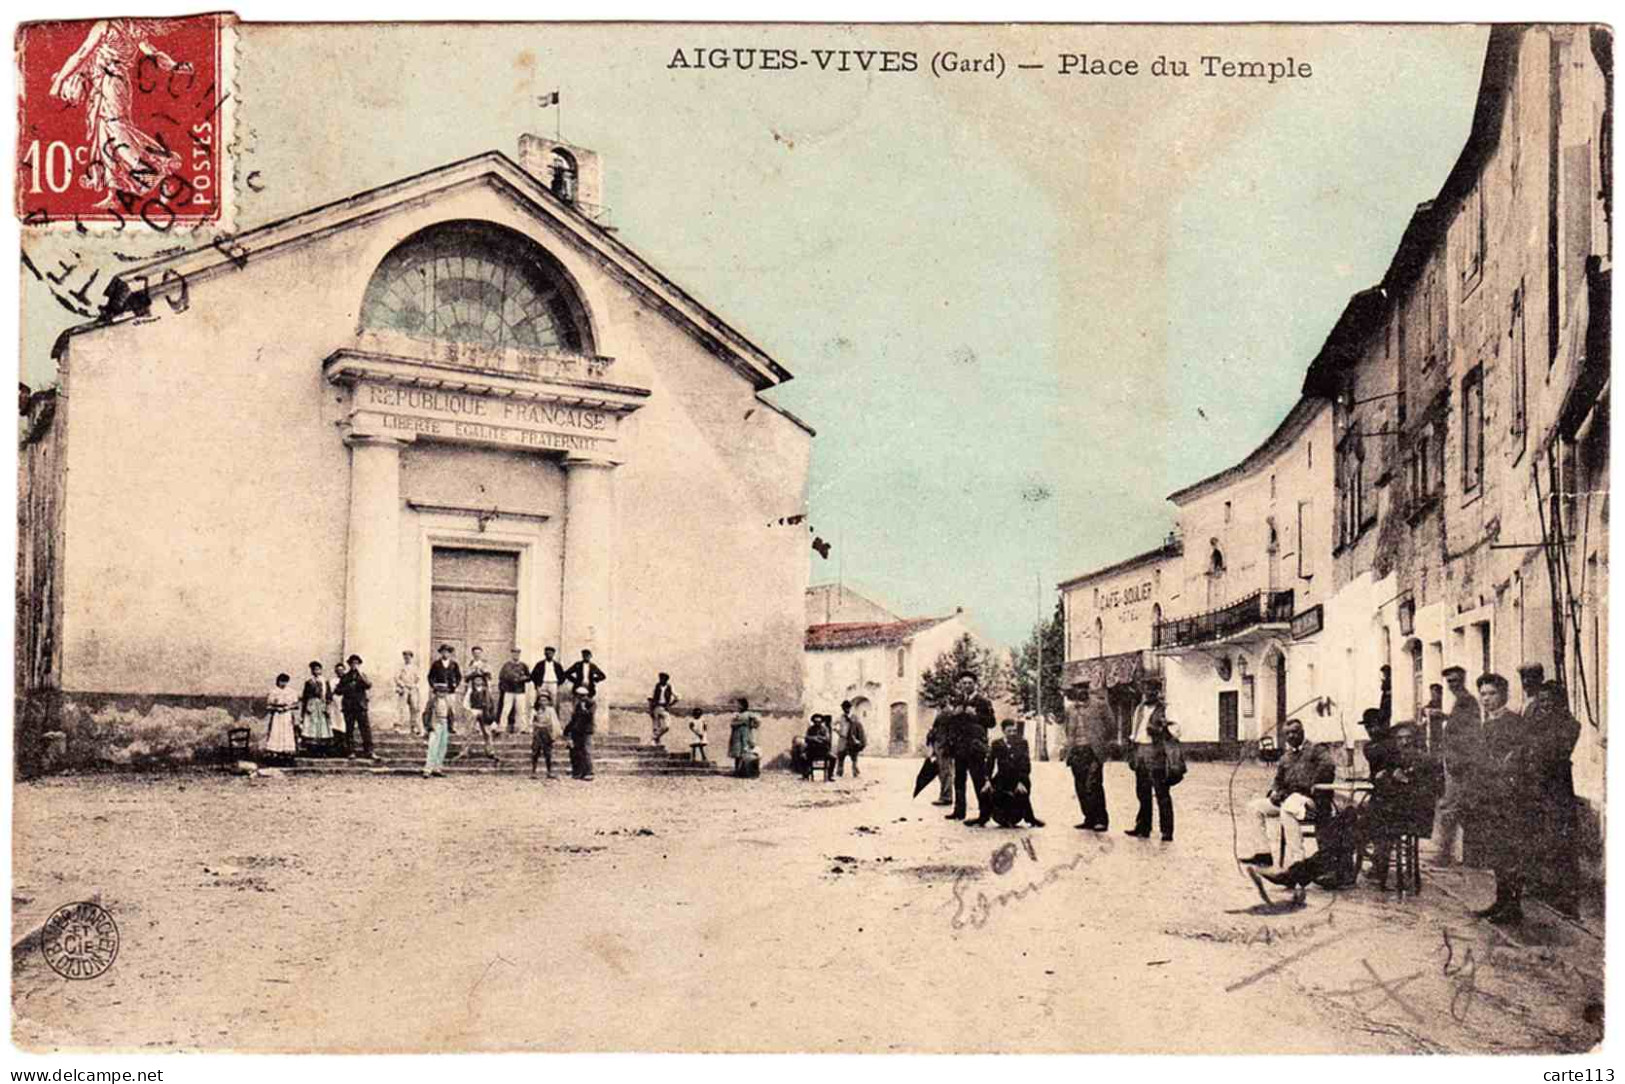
point(1020, 310)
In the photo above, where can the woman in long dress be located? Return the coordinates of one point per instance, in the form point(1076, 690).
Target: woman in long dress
point(314, 723)
point(280, 704)
point(742, 737)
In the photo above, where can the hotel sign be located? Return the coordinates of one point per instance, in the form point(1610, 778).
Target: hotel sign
point(1308, 622)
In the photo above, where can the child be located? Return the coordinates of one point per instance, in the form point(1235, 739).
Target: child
point(696, 741)
point(281, 739)
point(439, 712)
point(543, 718)
point(481, 707)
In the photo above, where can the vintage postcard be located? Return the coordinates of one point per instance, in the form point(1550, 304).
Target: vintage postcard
point(546, 537)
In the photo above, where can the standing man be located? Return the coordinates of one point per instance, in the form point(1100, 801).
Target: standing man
point(511, 681)
point(444, 672)
point(1463, 744)
point(408, 699)
point(1089, 729)
point(1291, 799)
point(1147, 745)
point(584, 674)
point(580, 732)
point(548, 675)
point(963, 724)
point(355, 691)
point(437, 720)
point(477, 663)
point(660, 705)
point(1503, 803)
point(849, 740)
point(1553, 733)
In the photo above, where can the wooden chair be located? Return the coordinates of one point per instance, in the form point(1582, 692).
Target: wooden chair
point(237, 741)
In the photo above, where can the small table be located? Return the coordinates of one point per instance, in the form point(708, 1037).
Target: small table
point(1347, 792)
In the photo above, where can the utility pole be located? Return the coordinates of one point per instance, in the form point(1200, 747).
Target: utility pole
point(1038, 677)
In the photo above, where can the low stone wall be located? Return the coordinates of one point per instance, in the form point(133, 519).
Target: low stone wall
point(105, 730)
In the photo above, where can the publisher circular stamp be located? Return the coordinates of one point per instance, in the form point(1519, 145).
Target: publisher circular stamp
point(80, 941)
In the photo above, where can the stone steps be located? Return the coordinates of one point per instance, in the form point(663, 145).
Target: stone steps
point(316, 767)
point(400, 753)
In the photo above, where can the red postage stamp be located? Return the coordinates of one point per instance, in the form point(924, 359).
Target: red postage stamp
point(120, 122)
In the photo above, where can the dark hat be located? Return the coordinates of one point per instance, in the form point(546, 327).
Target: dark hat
point(1532, 673)
point(1495, 680)
point(445, 647)
point(1454, 670)
point(354, 660)
point(846, 704)
point(1371, 717)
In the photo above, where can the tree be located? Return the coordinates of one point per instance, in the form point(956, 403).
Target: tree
point(1024, 665)
point(937, 683)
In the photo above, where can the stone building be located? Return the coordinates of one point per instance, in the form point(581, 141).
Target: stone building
point(839, 604)
point(1109, 618)
point(453, 409)
point(1439, 494)
point(1471, 404)
point(877, 665)
point(1240, 644)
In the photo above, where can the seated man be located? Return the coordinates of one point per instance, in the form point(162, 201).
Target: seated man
point(1007, 794)
point(1403, 790)
point(816, 748)
point(1291, 800)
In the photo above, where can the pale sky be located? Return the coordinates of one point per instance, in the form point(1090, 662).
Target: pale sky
point(1004, 300)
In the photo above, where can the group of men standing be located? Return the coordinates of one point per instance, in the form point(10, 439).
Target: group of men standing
point(1001, 775)
point(523, 692)
point(1152, 752)
point(1509, 789)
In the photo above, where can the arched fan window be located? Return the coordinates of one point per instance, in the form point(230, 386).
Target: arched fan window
point(474, 282)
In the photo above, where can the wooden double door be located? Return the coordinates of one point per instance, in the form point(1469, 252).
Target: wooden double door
point(474, 602)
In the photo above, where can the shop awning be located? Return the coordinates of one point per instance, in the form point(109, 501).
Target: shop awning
point(1106, 671)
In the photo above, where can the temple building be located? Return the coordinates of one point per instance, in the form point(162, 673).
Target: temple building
point(454, 409)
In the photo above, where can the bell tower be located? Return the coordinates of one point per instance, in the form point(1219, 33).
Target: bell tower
point(574, 174)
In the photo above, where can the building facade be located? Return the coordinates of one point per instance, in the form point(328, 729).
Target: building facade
point(1241, 646)
point(1439, 495)
point(1471, 391)
point(1109, 619)
point(454, 409)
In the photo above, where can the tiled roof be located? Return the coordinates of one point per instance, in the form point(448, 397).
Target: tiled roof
point(867, 634)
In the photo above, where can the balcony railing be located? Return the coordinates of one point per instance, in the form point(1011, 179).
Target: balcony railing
point(1258, 608)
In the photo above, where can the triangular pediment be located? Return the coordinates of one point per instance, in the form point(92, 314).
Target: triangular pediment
point(134, 290)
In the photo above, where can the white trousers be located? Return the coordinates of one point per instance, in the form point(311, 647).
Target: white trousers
point(515, 707)
point(1288, 817)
